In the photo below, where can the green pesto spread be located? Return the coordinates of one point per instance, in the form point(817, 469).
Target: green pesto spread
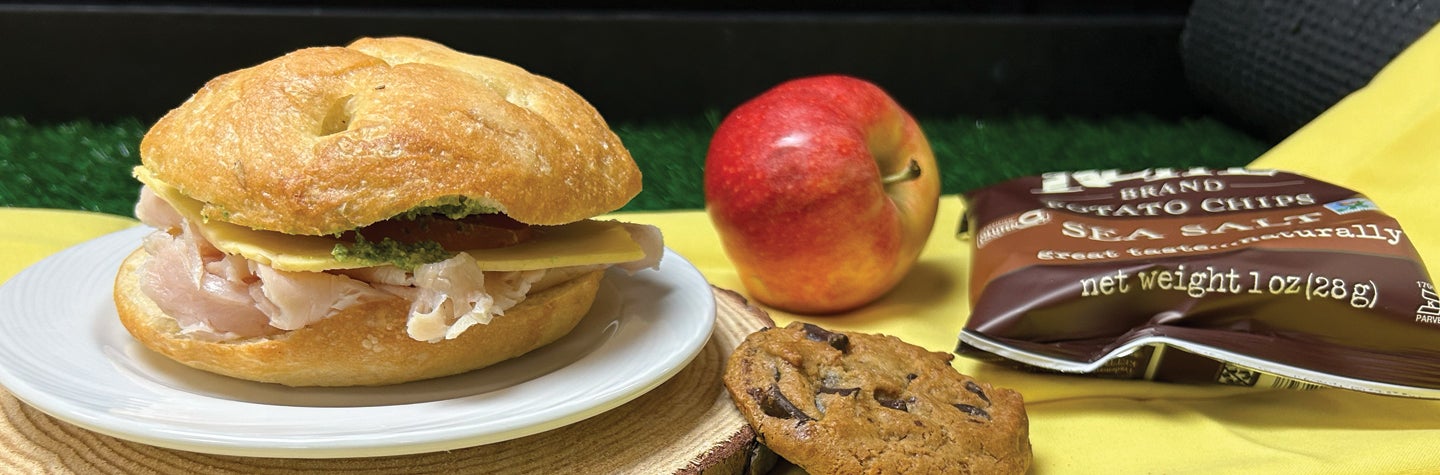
point(453, 207)
point(390, 251)
point(410, 256)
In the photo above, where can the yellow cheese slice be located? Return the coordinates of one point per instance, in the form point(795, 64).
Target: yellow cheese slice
point(585, 242)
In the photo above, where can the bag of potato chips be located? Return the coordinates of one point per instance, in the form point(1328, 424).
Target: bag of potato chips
point(1245, 277)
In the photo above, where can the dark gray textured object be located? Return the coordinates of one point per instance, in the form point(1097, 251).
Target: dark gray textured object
point(1275, 65)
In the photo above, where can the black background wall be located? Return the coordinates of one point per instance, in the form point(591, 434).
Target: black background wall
point(634, 60)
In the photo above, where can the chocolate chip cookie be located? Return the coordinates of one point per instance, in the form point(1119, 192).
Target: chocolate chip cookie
point(838, 403)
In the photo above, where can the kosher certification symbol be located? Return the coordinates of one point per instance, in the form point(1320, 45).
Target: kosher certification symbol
point(1351, 205)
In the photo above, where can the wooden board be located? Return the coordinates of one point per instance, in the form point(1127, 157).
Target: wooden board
point(686, 425)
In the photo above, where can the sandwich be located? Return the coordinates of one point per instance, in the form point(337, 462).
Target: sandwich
point(384, 212)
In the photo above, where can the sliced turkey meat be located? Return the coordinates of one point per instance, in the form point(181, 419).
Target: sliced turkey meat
point(216, 296)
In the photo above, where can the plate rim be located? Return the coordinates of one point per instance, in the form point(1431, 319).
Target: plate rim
point(683, 277)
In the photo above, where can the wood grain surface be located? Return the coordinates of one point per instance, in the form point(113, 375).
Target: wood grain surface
point(686, 425)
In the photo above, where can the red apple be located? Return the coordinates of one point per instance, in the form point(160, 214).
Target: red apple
point(823, 191)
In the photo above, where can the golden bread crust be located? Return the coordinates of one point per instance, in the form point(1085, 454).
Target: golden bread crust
point(328, 139)
point(360, 346)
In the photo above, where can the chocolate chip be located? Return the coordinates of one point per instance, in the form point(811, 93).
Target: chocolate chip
point(912, 376)
point(893, 401)
point(975, 388)
point(774, 403)
point(836, 340)
point(974, 411)
point(821, 402)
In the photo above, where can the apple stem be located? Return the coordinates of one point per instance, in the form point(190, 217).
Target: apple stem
point(910, 172)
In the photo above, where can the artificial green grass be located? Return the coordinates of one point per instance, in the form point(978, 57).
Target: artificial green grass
point(76, 165)
point(86, 166)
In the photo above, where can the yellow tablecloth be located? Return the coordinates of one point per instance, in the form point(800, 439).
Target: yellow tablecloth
point(1383, 140)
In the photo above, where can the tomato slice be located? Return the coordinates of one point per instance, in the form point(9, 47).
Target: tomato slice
point(480, 231)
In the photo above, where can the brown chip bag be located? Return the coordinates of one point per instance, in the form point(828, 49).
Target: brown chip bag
point(1236, 276)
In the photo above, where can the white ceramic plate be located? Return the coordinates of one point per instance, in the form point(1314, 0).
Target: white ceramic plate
point(63, 350)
